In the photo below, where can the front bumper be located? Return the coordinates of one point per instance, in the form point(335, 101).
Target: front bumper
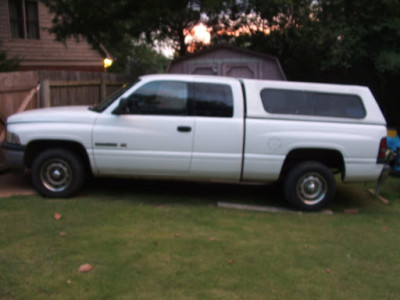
point(14, 156)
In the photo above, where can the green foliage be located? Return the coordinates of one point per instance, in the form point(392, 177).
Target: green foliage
point(7, 64)
point(388, 62)
point(175, 18)
point(143, 59)
point(114, 24)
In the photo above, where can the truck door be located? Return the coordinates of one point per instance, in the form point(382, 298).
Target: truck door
point(218, 139)
point(154, 137)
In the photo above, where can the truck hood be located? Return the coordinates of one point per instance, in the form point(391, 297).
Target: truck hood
point(63, 114)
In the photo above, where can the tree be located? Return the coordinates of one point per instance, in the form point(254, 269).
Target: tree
point(364, 47)
point(144, 59)
point(116, 23)
point(342, 41)
point(175, 18)
point(7, 64)
point(111, 23)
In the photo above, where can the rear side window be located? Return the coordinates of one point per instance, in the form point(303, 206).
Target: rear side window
point(212, 100)
point(293, 102)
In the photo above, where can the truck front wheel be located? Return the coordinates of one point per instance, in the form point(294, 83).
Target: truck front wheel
point(57, 173)
point(309, 186)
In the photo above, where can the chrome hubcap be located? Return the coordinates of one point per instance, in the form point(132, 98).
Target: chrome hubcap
point(56, 175)
point(312, 188)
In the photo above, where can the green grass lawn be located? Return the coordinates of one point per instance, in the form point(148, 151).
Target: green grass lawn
point(168, 240)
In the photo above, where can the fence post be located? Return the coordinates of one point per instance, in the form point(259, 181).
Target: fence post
point(45, 93)
point(102, 90)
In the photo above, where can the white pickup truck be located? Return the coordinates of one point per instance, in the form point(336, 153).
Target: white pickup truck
point(207, 128)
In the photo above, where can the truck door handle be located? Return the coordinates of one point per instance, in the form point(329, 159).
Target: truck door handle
point(184, 129)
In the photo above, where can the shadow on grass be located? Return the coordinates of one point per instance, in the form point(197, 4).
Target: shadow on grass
point(185, 193)
point(159, 192)
point(358, 196)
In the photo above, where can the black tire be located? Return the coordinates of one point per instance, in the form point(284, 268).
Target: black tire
point(57, 173)
point(309, 186)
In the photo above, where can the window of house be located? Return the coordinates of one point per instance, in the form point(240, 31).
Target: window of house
point(24, 19)
point(212, 100)
point(160, 98)
point(312, 103)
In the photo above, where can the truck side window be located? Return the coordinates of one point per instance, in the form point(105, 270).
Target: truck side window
point(338, 105)
point(212, 100)
point(160, 98)
point(309, 103)
point(286, 102)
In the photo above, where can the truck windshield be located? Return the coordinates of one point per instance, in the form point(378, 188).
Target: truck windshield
point(114, 96)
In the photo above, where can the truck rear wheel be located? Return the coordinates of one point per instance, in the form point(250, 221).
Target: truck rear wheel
point(57, 173)
point(309, 186)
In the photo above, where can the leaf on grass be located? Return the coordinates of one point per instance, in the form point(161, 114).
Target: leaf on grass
point(230, 261)
point(85, 268)
point(57, 216)
point(63, 233)
point(177, 235)
point(328, 271)
point(351, 211)
point(69, 281)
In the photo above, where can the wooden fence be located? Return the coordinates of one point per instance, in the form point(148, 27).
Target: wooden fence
point(54, 88)
point(61, 93)
point(34, 89)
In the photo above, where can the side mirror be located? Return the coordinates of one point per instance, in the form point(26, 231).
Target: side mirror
point(122, 107)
